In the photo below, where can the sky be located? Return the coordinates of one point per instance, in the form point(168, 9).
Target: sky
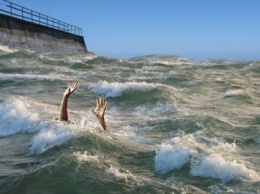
point(196, 29)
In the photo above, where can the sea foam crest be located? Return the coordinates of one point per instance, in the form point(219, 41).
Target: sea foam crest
point(84, 157)
point(215, 166)
point(51, 76)
point(15, 117)
point(206, 157)
point(169, 157)
point(233, 93)
point(6, 49)
point(117, 89)
point(120, 176)
point(58, 133)
point(49, 137)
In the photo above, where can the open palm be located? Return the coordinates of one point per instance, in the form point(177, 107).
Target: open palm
point(99, 111)
point(71, 88)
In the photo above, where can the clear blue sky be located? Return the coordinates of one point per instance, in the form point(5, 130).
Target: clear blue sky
point(197, 29)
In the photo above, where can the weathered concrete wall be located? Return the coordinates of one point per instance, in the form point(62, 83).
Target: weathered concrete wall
point(22, 35)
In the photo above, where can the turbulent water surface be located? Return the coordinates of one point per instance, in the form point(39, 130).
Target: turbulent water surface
point(175, 125)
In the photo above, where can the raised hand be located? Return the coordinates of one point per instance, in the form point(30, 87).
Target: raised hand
point(100, 110)
point(64, 103)
point(71, 88)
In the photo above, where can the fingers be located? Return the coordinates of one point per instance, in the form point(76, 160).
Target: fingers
point(73, 86)
point(106, 105)
point(97, 101)
point(101, 101)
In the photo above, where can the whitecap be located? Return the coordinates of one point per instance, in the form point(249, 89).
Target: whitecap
point(6, 49)
point(233, 93)
point(50, 137)
point(41, 77)
point(215, 166)
point(117, 89)
point(169, 157)
point(120, 176)
point(84, 157)
point(208, 157)
point(15, 117)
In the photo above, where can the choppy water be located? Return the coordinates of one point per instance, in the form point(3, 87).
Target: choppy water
point(176, 125)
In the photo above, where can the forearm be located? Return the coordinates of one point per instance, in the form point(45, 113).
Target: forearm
point(63, 109)
point(103, 123)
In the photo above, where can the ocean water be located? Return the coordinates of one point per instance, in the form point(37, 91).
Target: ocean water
point(175, 125)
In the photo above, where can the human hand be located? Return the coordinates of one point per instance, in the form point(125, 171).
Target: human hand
point(99, 111)
point(71, 88)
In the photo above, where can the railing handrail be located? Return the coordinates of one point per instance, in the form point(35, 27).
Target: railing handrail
point(39, 18)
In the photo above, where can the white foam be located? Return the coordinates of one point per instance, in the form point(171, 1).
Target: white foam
point(169, 61)
point(51, 76)
point(215, 166)
point(58, 133)
point(233, 93)
point(15, 117)
point(169, 157)
point(206, 155)
point(6, 49)
point(123, 176)
point(50, 137)
point(84, 157)
point(117, 89)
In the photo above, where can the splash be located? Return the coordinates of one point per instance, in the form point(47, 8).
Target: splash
point(215, 166)
point(84, 157)
point(206, 157)
point(120, 176)
point(15, 117)
point(51, 137)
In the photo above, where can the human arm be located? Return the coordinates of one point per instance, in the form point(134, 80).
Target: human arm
point(64, 103)
point(99, 111)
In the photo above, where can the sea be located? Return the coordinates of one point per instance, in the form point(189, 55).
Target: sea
point(175, 125)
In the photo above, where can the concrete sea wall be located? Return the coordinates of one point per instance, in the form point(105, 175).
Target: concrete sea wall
point(23, 35)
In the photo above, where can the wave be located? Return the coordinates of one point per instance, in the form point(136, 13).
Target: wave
point(253, 67)
point(102, 60)
point(40, 77)
point(51, 136)
point(119, 176)
point(159, 109)
point(115, 89)
point(167, 60)
point(233, 93)
point(15, 117)
point(84, 157)
point(6, 49)
point(215, 166)
point(206, 158)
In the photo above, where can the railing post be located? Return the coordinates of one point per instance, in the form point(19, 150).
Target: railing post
point(11, 11)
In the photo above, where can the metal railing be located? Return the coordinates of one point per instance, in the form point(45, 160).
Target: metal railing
point(14, 10)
